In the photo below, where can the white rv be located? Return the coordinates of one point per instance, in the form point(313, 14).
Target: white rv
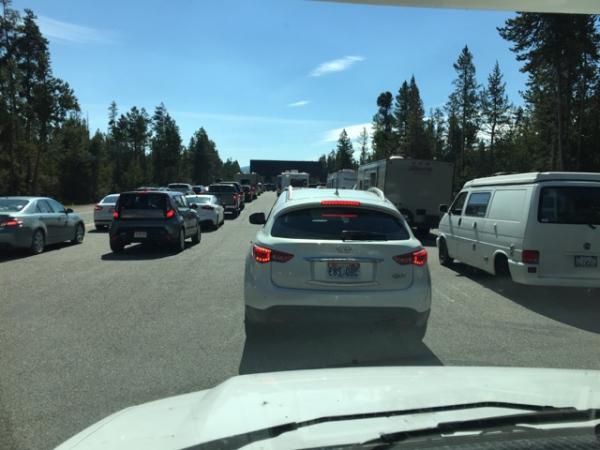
point(416, 187)
point(291, 178)
point(537, 228)
point(342, 179)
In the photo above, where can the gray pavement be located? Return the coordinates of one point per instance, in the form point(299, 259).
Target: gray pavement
point(85, 333)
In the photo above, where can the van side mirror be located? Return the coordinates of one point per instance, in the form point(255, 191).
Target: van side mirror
point(258, 218)
point(443, 208)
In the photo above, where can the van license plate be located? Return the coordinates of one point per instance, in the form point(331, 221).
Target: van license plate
point(140, 234)
point(586, 261)
point(343, 270)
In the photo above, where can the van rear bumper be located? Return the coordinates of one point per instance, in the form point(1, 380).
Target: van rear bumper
point(519, 273)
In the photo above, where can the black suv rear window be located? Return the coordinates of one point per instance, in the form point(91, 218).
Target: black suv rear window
point(339, 224)
point(221, 188)
point(143, 200)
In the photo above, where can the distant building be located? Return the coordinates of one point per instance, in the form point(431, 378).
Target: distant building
point(270, 168)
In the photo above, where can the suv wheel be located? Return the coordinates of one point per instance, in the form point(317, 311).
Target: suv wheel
point(180, 244)
point(38, 242)
point(116, 246)
point(198, 235)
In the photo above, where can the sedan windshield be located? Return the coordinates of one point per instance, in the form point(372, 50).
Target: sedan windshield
point(12, 204)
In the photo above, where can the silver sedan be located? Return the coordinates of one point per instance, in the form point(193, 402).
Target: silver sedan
point(103, 211)
point(34, 222)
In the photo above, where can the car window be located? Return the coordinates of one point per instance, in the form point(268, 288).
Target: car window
point(477, 204)
point(576, 205)
point(110, 199)
point(180, 201)
point(222, 188)
point(331, 223)
point(143, 200)
point(12, 204)
point(42, 206)
point(57, 207)
point(457, 205)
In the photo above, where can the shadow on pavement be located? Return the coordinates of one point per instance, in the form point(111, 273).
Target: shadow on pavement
point(428, 240)
point(142, 252)
point(313, 348)
point(577, 307)
point(20, 253)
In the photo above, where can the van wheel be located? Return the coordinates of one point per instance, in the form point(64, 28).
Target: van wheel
point(444, 257)
point(501, 267)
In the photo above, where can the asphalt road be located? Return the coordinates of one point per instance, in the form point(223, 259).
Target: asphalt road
point(84, 333)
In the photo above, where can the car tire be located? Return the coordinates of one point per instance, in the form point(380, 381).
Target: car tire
point(100, 227)
point(116, 246)
point(79, 234)
point(38, 242)
point(444, 257)
point(180, 244)
point(501, 268)
point(198, 235)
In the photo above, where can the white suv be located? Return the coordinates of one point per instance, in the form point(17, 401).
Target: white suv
point(334, 255)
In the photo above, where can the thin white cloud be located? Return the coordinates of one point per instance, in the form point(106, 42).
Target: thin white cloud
point(247, 118)
point(335, 65)
point(353, 132)
point(298, 103)
point(69, 32)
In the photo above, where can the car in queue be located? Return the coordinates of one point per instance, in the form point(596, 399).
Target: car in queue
point(249, 193)
point(184, 188)
point(103, 211)
point(228, 196)
point(209, 210)
point(540, 228)
point(334, 255)
point(200, 189)
point(34, 222)
point(153, 217)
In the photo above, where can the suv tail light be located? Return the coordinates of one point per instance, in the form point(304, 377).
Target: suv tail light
point(531, 256)
point(416, 258)
point(264, 255)
point(170, 213)
point(115, 214)
point(97, 208)
point(11, 223)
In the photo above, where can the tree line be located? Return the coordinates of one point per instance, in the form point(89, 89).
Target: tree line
point(479, 129)
point(45, 143)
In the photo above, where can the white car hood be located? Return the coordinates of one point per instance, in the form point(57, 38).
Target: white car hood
point(251, 402)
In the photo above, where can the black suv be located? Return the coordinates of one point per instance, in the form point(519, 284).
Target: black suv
point(153, 216)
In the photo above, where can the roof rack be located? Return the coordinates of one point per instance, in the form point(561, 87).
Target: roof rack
point(378, 192)
point(289, 193)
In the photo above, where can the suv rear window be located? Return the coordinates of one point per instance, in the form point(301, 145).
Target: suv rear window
point(222, 188)
point(339, 224)
point(143, 200)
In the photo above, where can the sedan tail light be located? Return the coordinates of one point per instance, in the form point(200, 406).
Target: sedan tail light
point(97, 208)
point(208, 207)
point(531, 256)
point(11, 223)
point(265, 255)
point(416, 258)
point(170, 213)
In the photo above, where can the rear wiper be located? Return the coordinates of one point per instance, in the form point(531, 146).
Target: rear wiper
point(240, 440)
point(350, 235)
point(545, 416)
point(591, 226)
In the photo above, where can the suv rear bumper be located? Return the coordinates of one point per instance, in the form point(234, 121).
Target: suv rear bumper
point(153, 234)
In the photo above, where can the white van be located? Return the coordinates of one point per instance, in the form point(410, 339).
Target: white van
point(540, 228)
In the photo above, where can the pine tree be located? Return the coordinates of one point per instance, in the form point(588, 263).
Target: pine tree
point(384, 138)
point(401, 114)
point(344, 154)
point(363, 141)
point(416, 143)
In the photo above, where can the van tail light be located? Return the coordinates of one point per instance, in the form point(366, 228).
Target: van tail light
point(264, 255)
point(97, 208)
point(531, 256)
point(416, 258)
point(11, 223)
point(115, 215)
point(210, 208)
point(170, 214)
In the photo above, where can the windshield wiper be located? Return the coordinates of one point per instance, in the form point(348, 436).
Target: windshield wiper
point(240, 440)
point(350, 235)
point(546, 416)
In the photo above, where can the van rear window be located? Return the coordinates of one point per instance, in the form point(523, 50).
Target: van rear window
point(339, 224)
point(570, 205)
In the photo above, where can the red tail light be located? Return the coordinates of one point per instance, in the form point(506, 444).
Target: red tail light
point(170, 213)
point(97, 208)
point(115, 214)
point(339, 203)
point(264, 255)
point(417, 258)
point(10, 223)
point(531, 256)
point(208, 207)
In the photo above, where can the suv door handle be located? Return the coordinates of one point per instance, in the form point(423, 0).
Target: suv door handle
point(474, 224)
point(459, 221)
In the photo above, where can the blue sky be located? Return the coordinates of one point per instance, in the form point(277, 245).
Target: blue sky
point(266, 79)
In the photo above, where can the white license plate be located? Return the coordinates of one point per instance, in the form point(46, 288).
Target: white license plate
point(140, 234)
point(586, 261)
point(343, 270)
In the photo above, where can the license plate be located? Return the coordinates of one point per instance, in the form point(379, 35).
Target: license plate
point(140, 234)
point(586, 261)
point(343, 270)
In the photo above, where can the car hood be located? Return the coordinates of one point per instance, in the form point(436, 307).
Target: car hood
point(250, 402)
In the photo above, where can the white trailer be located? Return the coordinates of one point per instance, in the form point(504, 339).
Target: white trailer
point(342, 179)
point(416, 187)
point(291, 178)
